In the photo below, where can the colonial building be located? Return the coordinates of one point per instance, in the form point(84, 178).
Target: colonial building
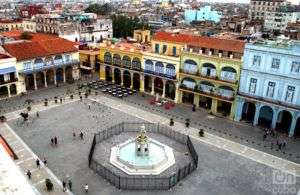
point(121, 62)
point(9, 77)
point(269, 93)
point(44, 60)
point(89, 61)
point(209, 73)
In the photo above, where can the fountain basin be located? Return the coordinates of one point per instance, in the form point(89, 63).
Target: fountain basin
point(124, 157)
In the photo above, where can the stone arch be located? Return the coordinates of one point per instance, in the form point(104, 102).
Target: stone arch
point(58, 59)
point(158, 85)
point(49, 61)
point(117, 76)
point(206, 86)
point(29, 81)
point(149, 65)
point(107, 58)
point(69, 73)
point(136, 81)
point(170, 71)
point(59, 75)
point(126, 79)
point(13, 89)
point(248, 112)
point(188, 83)
point(108, 73)
point(228, 73)
point(297, 127)
point(4, 91)
point(136, 64)
point(170, 90)
point(126, 61)
point(40, 80)
point(265, 116)
point(226, 91)
point(190, 66)
point(148, 83)
point(50, 77)
point(284, 121)
point(117, 60)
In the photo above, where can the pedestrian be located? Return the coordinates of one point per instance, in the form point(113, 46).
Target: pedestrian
point(81, 135)
point(45, 161)
point(38, 165)
point(52, 141)
point(265, 136)
point(194, 108)
point(28, 173)
point(74, 135)
point(64, 186)
point(70, 184)
point(284, 144)
point(89, 106)
point(171, 122)
point(187, 123)
point(55, 141)
point(86, 188)
point(37, 115)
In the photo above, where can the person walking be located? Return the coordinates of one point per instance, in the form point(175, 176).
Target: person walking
point(70, 184)
point(64, 186)
point(74, 135)
point(52, 141)
point(28, 173)
point(86, 188)
point(37, 115)
point(55, 141)
point(45, 161)
point(81, 135)
point(38, 164)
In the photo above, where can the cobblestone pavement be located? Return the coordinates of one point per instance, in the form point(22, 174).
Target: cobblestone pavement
point(219, 172)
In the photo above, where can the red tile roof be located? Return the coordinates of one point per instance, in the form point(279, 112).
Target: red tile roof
point(40, 45)
point(201, 41)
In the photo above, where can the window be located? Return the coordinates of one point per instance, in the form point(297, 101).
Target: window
point(295, 67)
point(67, 58)
point(290, 94)
point(252, 86)
point(256, 61)
point(164, 49)
point(271, 89)
point(156, 48)
point(174, 51)
point(27, 65)
point(275, 63)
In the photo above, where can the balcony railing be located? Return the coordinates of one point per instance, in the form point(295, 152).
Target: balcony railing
point(173, 77)
point(39, 67)
point(197, 74)
point(9, 81)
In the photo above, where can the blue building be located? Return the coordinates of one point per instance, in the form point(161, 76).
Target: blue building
point(269, 93)
point(204, 14)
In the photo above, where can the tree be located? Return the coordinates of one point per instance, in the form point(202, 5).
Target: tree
point(124, 26)
point(99, 9)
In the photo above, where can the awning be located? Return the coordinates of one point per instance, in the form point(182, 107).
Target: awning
point(7, 70)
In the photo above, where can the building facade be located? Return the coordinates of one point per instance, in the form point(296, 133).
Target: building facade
point(278, 21)
point(269, 93)
point(203, 14)
point(258, 8)
point(44, 60)
point(9, 77)
point(209, 74)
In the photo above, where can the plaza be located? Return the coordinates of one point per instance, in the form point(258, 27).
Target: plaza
point(224, 167)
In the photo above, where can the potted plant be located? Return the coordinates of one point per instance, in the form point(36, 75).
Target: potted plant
point(201, 133)
point(49, 185)
point(46, 102)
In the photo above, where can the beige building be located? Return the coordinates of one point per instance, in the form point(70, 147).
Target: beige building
point(258, 8)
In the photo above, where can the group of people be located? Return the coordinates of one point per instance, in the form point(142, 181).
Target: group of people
point(54, 141)
point(80, 135)
point(279, 141)
point(38, 165)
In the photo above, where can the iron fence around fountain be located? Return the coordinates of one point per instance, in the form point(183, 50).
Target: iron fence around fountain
point(143, 182)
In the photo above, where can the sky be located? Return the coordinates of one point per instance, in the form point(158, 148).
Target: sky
point(245, 1)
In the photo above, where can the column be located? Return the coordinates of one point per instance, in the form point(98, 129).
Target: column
point(122, 79)
point(92, 61)
point(34, 80)
point(45, 79)
point(256, 116)
point(113, 75)
point(164, 89)
point(8, 90)
point(178, 94)
point(64, 74)
point(102, 72)
point(54, 72)
point(214, 106)
point(196, 100)
point(239, 109)
point(274, 119)
point(293, 125)
point(232, 110)
point(152, 86)
point(142, 83)
point(131, 80)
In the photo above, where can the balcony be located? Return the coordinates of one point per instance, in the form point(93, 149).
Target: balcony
point(9, 81)
point(173, 77)
point(42, 66)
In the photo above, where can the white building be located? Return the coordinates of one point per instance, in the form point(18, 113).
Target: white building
point(258, 8)
point(279, 20)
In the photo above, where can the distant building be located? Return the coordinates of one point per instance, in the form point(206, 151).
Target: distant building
point(24, 25)
point(204, 14)
point(279, 19)
point(258, 8)
point(269, 91)
point(27, 11)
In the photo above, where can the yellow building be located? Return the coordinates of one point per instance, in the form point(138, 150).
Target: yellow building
point(209, 74)
point(89, 63)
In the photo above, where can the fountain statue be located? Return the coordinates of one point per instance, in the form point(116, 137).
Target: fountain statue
point(142, 143)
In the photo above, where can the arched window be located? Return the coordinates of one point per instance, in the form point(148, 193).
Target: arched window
point(48, 61)
point(136, 64)
point(209, 70)
point(159, 67)
point(38, 63)
point(58, 59)
point(190, 66)
point(206, 86)
point(149, 65)
point(170, 70)
point(226, 91)
point(228, 73)
point(188, 83)
point(117, 60)
point(107, 58)
point(126, 61)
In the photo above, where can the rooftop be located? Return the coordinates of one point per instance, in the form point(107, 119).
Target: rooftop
point(129, 46)
point(202, 41)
